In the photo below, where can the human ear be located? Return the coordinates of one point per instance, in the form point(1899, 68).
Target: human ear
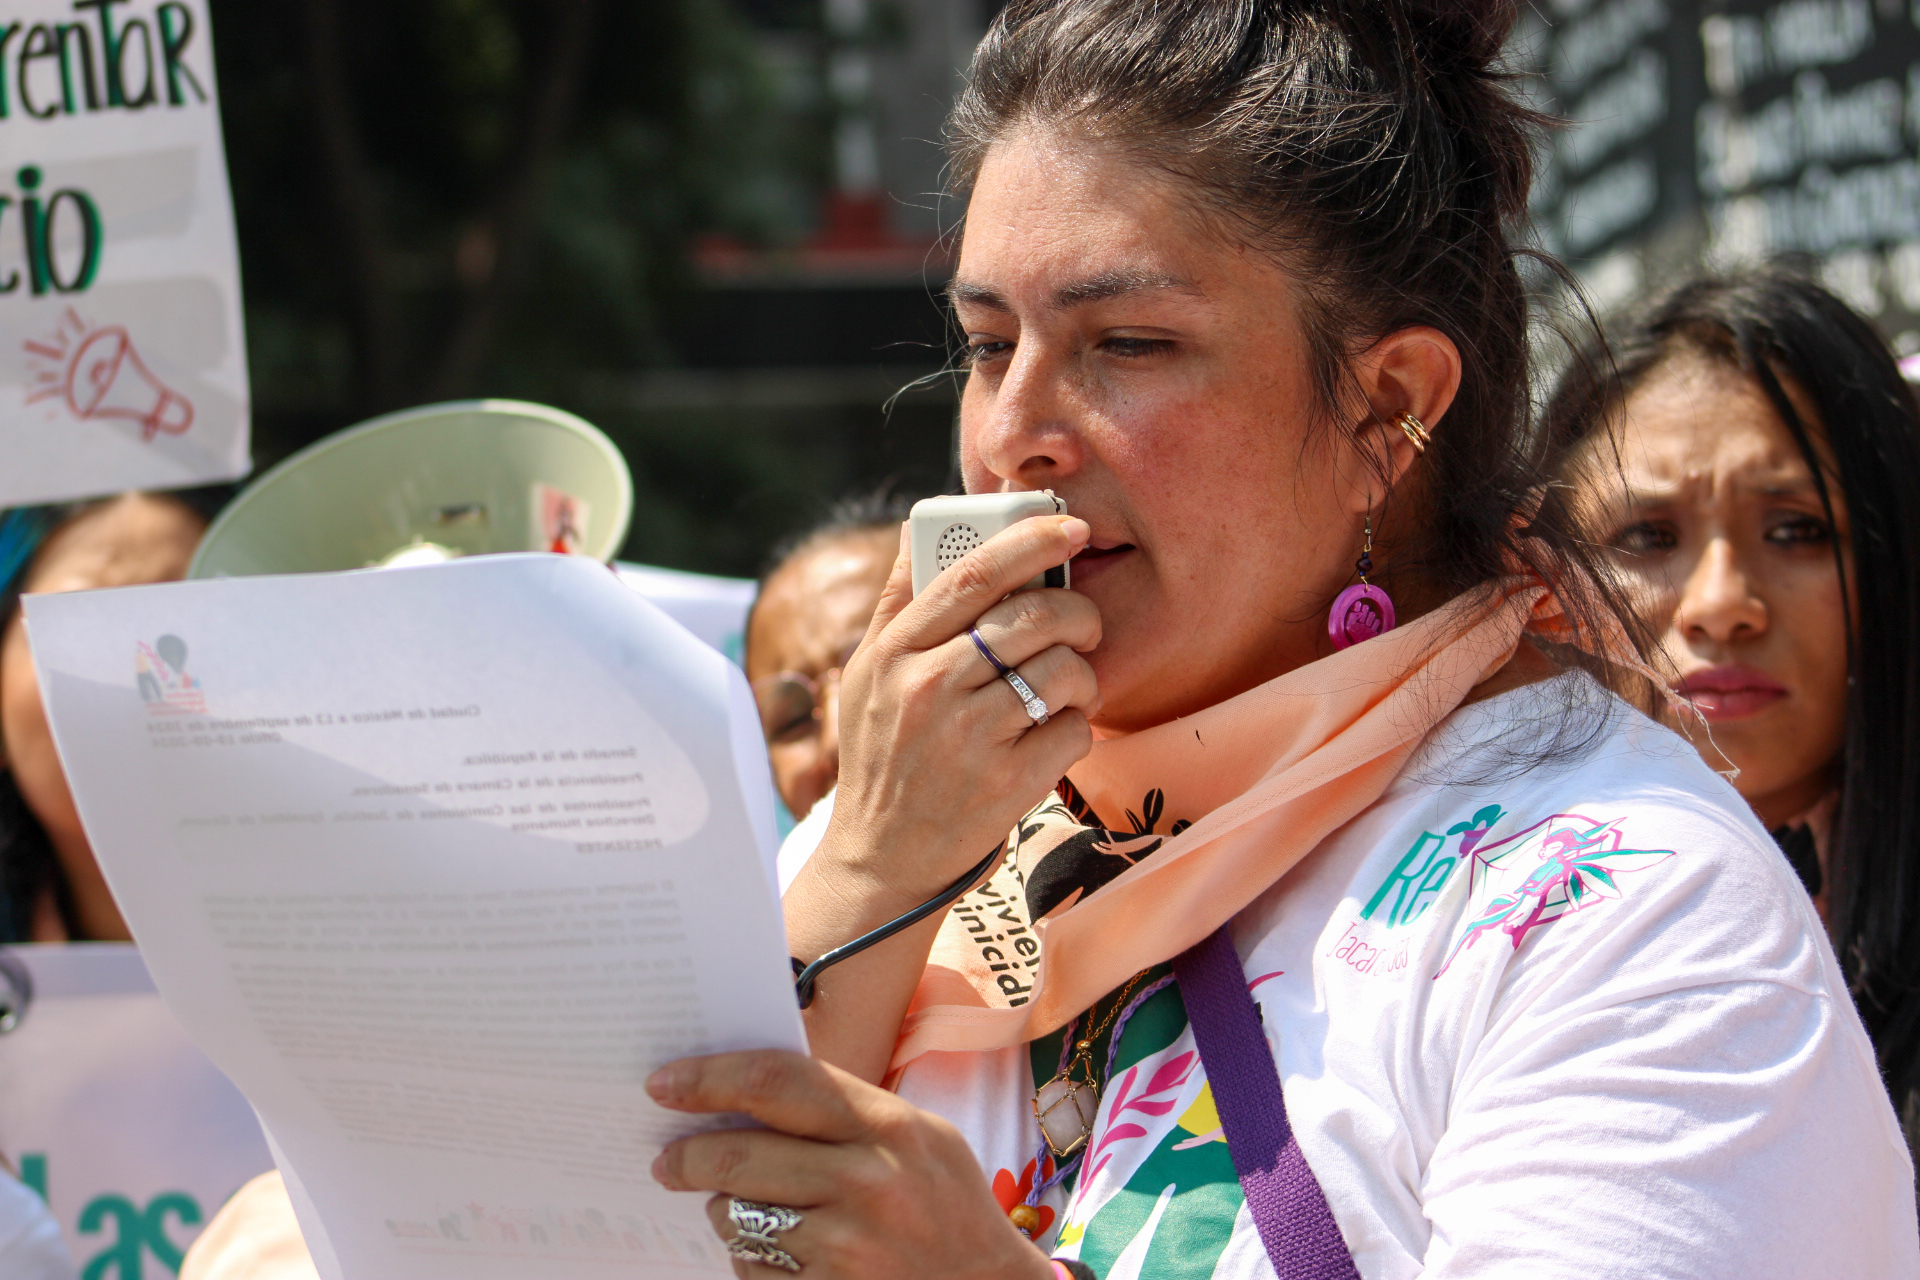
point(1413, 371)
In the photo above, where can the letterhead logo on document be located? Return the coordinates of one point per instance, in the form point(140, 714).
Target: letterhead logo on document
point(160, 672)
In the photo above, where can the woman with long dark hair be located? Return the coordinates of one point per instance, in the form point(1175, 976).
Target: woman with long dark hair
point(51, 889)
point(1771, 519)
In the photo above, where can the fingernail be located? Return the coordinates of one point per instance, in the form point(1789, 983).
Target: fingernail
point(664, 1086)
point(1077, 531)
point(659, 1169)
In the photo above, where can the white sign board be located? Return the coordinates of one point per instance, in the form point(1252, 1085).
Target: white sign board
point(123, 361)
point(108, 1110)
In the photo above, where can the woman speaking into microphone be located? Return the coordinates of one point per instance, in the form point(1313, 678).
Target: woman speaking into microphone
point(1334, 916)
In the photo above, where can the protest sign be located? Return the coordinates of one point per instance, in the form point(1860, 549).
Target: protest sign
point(108, 1110)
point(1719, 133)
point(122, 355)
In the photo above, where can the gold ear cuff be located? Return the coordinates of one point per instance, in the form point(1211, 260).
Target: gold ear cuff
point(1415, 430)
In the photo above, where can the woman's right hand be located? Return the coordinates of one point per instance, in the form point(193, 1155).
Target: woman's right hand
point(938, 761)
point(938, 756)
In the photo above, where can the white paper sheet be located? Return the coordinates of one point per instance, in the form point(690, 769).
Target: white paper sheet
point(715, 609)
point(437, 864)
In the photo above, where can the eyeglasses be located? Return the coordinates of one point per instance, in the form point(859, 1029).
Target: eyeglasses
point(790, 704)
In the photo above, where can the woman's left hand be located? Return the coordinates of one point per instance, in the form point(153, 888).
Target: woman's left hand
point(884, 1189)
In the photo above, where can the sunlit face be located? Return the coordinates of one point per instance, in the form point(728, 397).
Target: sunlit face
point(1723, 530)
point(133, 539)
point(810, 615)
point(1155, 376)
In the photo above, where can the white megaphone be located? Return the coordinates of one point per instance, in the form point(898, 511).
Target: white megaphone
point(427, 484)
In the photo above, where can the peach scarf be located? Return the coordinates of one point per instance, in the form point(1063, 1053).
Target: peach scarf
point(1252, 784)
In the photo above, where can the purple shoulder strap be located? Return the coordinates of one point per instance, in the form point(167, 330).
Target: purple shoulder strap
point(1283, 1197)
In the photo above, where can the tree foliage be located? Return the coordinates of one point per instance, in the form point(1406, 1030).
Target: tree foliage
point(446, 198)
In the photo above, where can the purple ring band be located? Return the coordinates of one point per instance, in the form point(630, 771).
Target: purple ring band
point(987, 653)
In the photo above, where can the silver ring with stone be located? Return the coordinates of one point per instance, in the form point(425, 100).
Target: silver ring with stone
point(1036, 709)
point(758, 1228)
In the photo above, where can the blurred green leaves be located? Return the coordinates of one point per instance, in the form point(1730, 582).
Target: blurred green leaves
point(451, 198)
point(459, 197)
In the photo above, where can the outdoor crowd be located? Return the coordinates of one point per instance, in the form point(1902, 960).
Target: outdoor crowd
point(1471, 825)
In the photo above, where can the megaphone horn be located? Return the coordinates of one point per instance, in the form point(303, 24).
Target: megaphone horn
point(429, 484)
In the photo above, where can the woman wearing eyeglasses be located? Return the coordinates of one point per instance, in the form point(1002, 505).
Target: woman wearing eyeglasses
point(812, 609)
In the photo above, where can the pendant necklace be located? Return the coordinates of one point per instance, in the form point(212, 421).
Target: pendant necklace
point(1067, 1105)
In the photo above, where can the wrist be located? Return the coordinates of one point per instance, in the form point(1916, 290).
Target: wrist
point(853, 878)
point(892, 871)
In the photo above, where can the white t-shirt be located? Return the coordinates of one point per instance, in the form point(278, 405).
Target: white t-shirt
point(804, 839)
point(1562, 1021)
point(30, 1243)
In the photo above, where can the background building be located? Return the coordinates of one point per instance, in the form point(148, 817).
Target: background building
point(713, 227)
point(1732, 131)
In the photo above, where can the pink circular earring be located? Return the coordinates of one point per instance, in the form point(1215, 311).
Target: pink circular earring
point(1363, 610)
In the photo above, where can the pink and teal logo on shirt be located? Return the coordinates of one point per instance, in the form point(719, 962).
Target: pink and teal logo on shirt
point(1424, 870)
point(1580, 858)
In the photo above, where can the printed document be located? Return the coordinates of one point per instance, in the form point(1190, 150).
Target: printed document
point(437, 864)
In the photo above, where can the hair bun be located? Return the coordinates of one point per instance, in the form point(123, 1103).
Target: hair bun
point(1470, 31)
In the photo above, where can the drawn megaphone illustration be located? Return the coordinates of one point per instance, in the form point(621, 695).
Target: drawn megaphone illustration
point(106, 378)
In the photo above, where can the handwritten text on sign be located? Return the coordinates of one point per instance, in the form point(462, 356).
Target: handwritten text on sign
point(122, 357)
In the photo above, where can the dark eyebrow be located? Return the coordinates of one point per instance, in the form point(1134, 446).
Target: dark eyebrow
point(978, 295)
point(1112, 284)
point(1095, 288)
